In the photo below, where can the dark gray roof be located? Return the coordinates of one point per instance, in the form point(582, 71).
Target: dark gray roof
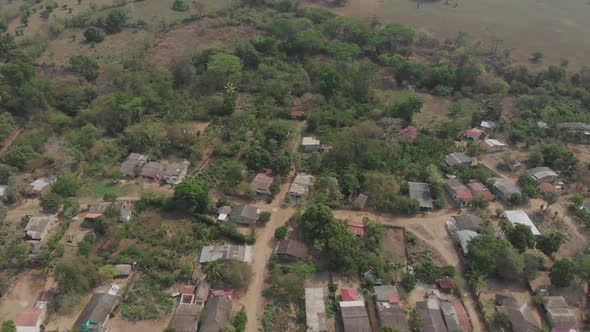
point(541, 172)
point(360, 201)
point(579, 126)
point(430, 316)
point(450, 316)
point(152, 169)
point(558, 312)
point(98, 309)
point(504, 186)
point(392, 315)
point(384, 293)
point(186, 317)
point(245, 211)
point(134, 161)
point(468, 222)
point(457, 158)
point(520, 315)
point(217, 314)
point(292, 248)
point(421, 192)
point(355, 317)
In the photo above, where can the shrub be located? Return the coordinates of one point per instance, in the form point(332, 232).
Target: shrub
point(281, 232)
point(94, 35)
point(109, 196)
point(264, 217)
point(180, 6)
point(51, 202)
point(85, 66)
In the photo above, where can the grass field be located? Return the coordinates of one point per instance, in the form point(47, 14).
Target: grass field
point(559, 29)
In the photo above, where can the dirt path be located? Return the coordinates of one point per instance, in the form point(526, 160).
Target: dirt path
point(23, 294)
point(8, 140)
point(265, 243)
point(430, 228)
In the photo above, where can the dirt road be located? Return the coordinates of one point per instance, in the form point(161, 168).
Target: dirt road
point(23, 295)
point(263, 249)
point(430, 228)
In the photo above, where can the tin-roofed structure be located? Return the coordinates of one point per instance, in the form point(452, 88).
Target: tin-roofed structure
point(504, 189)
point(421, 193)
point(458, 158)
point(291, 250)
point(542, 174)
point(315, 310)
point(458, 192)
point(226, 252)
point(354, 316)
point(520, 217)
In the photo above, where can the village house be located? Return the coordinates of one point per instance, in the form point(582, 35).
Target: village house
point(176, 172)
point(41, 186)
point(520, 315)
point(310, 144)
point(244, 214)
point(356, 227)
point(389, 309)
point(296, 115)
point(504, 189)
point(123, 270)
point(97, 210)
point(354, 316)
point(315, 310)
point(300, 185)
point(560, 316)
point(464, 222)
point(491, 145)
point(583, 128)
point(38, 227)
point(478, 189)
point(360, 202)
point(262, 183)
point(97, 312)
point(186, 317)
point(465, 237)
point(455, 316)
point(226, 252)
point(487, 125)
point(152, 171)
point(520, 217)
point(217, 314)
point(431, 318)
point(542, 174)
point(31, 320)
point(348, 294)
point(291, 251)
point(131, 167)
point(473, 134)
point(421, 193)
point(458, 159)
point(458, 192)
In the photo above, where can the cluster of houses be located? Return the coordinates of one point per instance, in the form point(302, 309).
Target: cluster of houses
point(138, 165)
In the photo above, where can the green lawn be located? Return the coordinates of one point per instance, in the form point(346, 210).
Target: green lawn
point(97, 189)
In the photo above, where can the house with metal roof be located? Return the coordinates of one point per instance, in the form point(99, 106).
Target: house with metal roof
point(520, 217)
point(244, 214)
point(261, 183)
point(38, 227)
point(354, 316)
point(473, 134)
point(31, 320)
point(543, 174)
point(431, 319)
point(300, 185)
point(315, 310)
point(176, 172)
point(458, 192)
point(520, 315)
point(152, 171)
point(577, 126)
point(41, 186)
point(310, 144)
point(478, 189)
point(186, 317)
point(291, 250)
point(217, 314)
point(131, 167)
point(360, 202)
point(504, 189)
point(465, 237)
point(559, 314)
point(97, 312)
point(492, 145)
point(465, 222)
point(421, 193)
point(389, 309)
point(226, 252)
point(458, 159)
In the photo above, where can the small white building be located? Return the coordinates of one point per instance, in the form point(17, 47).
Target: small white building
point(520, 217)
point(310, 144)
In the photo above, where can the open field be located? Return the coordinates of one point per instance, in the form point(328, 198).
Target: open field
point(556, 28)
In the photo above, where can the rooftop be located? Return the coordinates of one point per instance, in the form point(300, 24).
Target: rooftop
point(459, 190)
point(225, 252)
point(465, 237)
point(540, 173)
point(520, 217)
point(152, 169)
point(217, 314)
point(245, 211)
point(506, 187)
point(354, 316)
point(30, 317)
point(300, 185)
point(457, 158)
point(356, 227)
point(421, 192)
point(310, 141)
point(261, 183)
point(386, 293)
point(41, 183)
point(349, 294)
point(479, 189)
point(176, 169)
point(186, 317)
point(292, 248)
point(98, 309)
point(315, 310)
point(360, 201)
point(468, 222)
point(38, 225)
point(558, 312)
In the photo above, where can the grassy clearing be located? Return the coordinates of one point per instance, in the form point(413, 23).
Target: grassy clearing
point(97, 189)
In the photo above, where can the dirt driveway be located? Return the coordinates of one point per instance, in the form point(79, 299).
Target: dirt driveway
point(23, 295)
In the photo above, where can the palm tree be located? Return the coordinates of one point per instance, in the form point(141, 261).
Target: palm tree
point(505, 226)
point(213, 271)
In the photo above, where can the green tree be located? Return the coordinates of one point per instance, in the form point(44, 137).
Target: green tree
point(180, 6)
point(388, 329)
point(501, 321)
point(223, 68)
point(67, 184)
point(537, 56)
point(192, 194)
point(71, 207)
point(264, 217)
point(7, 125)
point(94, 35)
point(19, 155)
point(240, 320)
point(509, 264)
point(549, 243)
point(281, 232)
point(76, 276)
point(109, 196)
point(85, 66)
point(521, 237)
point(562, 273)
point(584, 268)
point(8, 326)
point(115, 21)
point(51, 202)
point(405, 106)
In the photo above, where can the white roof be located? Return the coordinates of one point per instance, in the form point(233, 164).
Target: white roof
point(310, 141)
point(3, 190)
point(520, 217)
point(487, 124)
point(346, 304)
point(494, 142)
point(222, 217)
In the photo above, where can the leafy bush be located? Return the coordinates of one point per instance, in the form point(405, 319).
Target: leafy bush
point(264, 217)
point(180, 6)
point(94, 35)
point(281, 232)
point(51, 202)
point(85, 66)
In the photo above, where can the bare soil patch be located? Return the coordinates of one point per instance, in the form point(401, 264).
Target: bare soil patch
point(183, 39)
point(433, 113)
point(23, 294)
point(394, 244)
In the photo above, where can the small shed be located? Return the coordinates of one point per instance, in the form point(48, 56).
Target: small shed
point(39, 227)
point(310, 144)
point(291, 250)
point(360, 202)
point(458, 159)
point(244, 214)
point(542, 174)
point(261, 183)
point(123, 270)
point(176, 172)
point(421, 193)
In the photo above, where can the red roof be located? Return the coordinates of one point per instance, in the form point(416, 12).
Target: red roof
point(472, 133)
point(357, 228)
point(409, 132)
point(297, 114)
point(461, 315)
point(394, 298)
point(43, 296)
point(349, 294)
point(29, 317)
point(479, 189)
point(546, 187)
point(464, 194)
point(227, 294)
point(187, 289)
point(446, 283)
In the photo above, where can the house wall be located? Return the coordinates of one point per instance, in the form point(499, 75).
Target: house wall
point(311, 147)
point(242, 220)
